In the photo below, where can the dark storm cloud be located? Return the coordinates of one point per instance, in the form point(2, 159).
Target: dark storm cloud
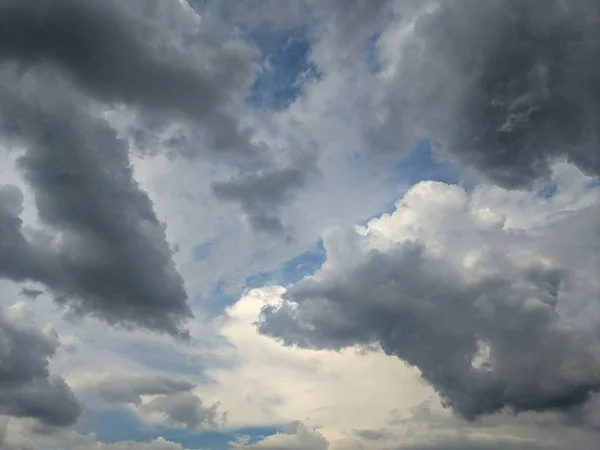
point(27, 389)
point(108, 51)
point(16, 257)
point(150, 55)
point(485, 345)
point(108, 256)
point(505, 86)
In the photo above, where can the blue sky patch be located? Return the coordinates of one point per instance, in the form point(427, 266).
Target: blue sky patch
point(220, 298)
point(216, 440)
point(422, 164)
point(547, 190)
point(203, 251)
point(114, 425)
point(285, 57)
point(372, 54)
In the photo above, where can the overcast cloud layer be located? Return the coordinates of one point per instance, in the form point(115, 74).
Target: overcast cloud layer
point(196, 197)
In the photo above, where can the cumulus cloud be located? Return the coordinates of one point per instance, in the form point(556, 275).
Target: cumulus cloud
point(184, 409)
point(503, 86)
point(27, 388)
point(108, 255)
point(487, 294)
point(160, 399)
point(296, 437)
point(482, 309)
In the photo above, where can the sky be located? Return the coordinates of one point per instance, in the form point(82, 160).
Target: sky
point(299, 225)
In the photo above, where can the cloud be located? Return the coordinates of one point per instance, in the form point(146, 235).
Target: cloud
point(504, 86)
point(108, 255)
point(262, 193)
point(129, 389)
point(31, 293)
point(296, 437)
point(185, 409)
point(15, 252)
point(479, 444)
point(27, 388)
point(156, 444)
point(159, 399)
point(23, 437)
point(182, 70)
point(447, 285)
point(133, 55)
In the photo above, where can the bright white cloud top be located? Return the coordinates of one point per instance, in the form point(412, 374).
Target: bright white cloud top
point(361, 225)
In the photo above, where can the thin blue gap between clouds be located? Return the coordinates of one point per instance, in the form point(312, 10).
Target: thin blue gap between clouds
point(203, 251)
point(220, 298)
point(114, 425)
point(306, 263)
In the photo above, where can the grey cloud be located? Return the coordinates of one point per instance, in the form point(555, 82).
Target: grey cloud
point(496, 443)
point(129, 389)
point(157, 444)
point(186, 408)
point(487, 343)
point(373, 435)
point(261, 194)
point(110, 50)
point(27, 389)
point(68, 439)
point(504, 86)
point(31, 293)
point(16, 259)
point(349, 22)
point(109, 256)
point(172, 398)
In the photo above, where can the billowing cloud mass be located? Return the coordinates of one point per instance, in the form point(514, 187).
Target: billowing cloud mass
point(505, 86)
point(484, 308)
point(376, 221)
point(27, 388)
point(108, 255)
point(111, 51)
